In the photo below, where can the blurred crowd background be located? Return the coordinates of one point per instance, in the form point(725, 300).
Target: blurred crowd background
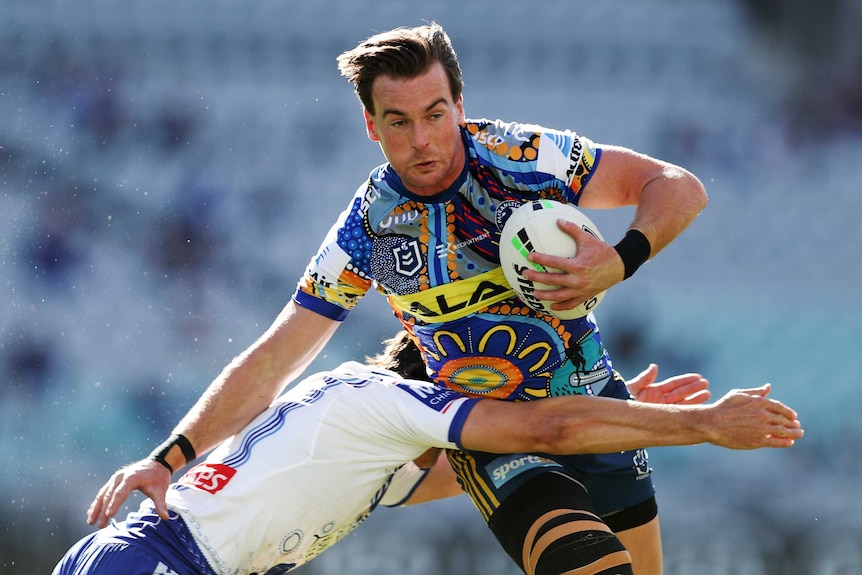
point(167, 169)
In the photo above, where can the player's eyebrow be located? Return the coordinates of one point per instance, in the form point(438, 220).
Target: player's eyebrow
point(428, 108)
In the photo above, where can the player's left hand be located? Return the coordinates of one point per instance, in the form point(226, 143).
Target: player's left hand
point(688, 388)
point(596, 267)
point(147, 476)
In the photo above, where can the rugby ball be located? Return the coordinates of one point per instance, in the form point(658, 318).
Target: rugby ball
point(532, 227)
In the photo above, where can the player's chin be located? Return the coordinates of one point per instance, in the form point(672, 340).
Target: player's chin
point(423, 179)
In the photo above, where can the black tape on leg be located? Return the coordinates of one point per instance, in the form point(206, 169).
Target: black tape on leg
point(533, 507)
point(634, 516)
point(588, 549)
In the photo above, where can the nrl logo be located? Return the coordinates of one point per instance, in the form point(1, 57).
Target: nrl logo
point(408, 257)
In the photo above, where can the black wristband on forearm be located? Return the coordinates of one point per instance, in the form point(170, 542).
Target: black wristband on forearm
point(161, 452)
point(160, 457)
point(634, 249)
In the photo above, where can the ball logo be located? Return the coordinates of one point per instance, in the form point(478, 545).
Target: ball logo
point(210, 477)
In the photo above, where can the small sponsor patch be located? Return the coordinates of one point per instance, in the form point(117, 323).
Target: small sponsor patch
point(434, 396)
point(505, 468)
point(210, 477)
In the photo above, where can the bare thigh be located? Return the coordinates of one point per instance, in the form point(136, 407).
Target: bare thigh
point(644, 545)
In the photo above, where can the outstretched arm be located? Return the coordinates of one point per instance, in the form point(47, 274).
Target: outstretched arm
point(253, 379)
point(246, 387)
point(742, 419)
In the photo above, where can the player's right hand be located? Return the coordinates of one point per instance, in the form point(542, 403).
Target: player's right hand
point(149, 477)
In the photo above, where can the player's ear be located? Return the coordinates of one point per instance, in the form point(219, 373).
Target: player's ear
point(370, 128)
point(462, 119)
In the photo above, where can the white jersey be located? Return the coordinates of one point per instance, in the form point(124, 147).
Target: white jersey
point(311, 468)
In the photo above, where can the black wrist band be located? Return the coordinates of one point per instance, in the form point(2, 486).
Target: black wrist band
point(186, 446)
point(634, 249)
point(161, 452)
point(161, 459)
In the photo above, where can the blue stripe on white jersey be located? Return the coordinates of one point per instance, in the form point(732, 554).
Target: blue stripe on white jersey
point(273, 423)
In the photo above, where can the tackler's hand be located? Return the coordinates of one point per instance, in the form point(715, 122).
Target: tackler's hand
point(147, 476)
point(687, 388)
point(748, 419)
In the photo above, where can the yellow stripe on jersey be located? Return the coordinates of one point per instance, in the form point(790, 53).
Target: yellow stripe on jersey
point(464, 466)
point(455, 300)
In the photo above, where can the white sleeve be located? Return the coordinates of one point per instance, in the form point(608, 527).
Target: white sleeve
point(430, 415)
point(404, 483)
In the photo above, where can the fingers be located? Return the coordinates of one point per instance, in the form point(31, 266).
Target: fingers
point(649, 375)
point(779, 408)
point(116, 499)
point(160, 504)
point(150, 478)
point(576, 232)
point(784, 436)
point(689, 388)
point(751, 420)
point(761, 391)
point(595, 268)
point(95, 509)
point(99, 511)
point(695, 398)
point(777, 442)
point(642, 380)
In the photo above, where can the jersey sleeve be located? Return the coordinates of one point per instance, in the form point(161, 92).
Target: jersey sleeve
point(431, 415)
point(336, 278)
point(569, 156)
point(534, 157)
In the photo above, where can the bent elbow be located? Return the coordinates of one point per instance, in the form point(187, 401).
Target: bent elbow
point(698, 194)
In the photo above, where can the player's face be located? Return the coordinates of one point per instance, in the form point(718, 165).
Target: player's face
point(416, 123)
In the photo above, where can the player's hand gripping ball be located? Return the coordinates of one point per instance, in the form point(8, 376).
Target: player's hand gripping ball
point(532, 227)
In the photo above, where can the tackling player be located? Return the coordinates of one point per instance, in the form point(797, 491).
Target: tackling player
point(310, 468)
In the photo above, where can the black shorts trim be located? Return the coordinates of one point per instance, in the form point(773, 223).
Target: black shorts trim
point(634, 516)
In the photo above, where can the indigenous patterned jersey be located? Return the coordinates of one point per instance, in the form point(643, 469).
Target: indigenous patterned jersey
point(313, 466)
point(436, 259)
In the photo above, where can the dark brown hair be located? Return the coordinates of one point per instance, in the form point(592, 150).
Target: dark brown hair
point(400, 53)
point(402, 356)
